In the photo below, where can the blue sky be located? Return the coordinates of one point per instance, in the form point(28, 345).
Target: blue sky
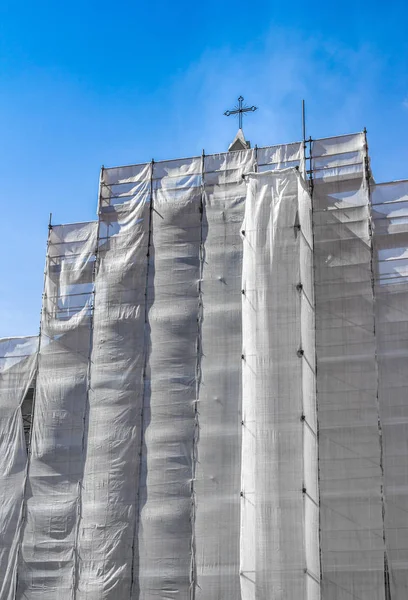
point(88, 83)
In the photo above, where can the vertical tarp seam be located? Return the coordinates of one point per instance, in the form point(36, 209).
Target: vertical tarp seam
point(146, 354)
point(23, 513)
point(303, 297)
point(88, 387)
point(242, 572)
point(311, 187)
point(304, 166)
point(377, 374)
point(271, 255)
point(306, 359)
point(196, 436)
point(300, 352)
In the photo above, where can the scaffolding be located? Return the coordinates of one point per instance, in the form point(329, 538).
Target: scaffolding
point(219, 387)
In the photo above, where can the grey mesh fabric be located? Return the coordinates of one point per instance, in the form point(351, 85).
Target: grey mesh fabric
point(187, 286)
point(390, 218)
point(167, 509)
point(218, 472)
point(113, 439)
point(352, 546)
point(220, 388)
point(49, 563)
point(279, 534)
point(18, 357)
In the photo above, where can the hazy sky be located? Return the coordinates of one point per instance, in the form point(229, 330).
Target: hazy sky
point(88, 83)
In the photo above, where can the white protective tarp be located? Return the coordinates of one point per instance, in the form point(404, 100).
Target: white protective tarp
point(49, 565)
point(109, 499)
point(174, 447)
point(164, 422)
point(279, 509)
point(167, 506)
point(338, 158)
point(18, 358)
point(390, 218)
point(350, 470)
point(218, 470)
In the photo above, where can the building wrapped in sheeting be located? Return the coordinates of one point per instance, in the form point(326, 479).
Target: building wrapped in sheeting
point(220, 387)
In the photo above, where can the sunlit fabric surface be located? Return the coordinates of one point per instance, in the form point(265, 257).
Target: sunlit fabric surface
point(352, 547)
point(48, 564)
point(279, 533)
point(18, 357)
point(220, 387)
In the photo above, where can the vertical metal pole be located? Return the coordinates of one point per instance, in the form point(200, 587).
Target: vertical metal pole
point(310, 141)
point(23, 515)
point(101, 183)
point(304, 173)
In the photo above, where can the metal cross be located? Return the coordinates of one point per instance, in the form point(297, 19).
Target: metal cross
point(240, 110)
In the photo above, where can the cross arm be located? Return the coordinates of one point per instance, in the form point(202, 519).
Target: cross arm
point(240, 110)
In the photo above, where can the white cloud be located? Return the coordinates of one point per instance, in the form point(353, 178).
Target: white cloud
point(337, 82)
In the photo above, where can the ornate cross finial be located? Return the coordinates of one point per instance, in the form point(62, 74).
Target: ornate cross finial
point(240, 110)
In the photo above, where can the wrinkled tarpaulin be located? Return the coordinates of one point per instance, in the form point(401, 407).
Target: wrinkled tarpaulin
point(48, 561)
point(174, 443)
point(18, 357)
point(279, 532)
point(390, 216)
point(352, 547)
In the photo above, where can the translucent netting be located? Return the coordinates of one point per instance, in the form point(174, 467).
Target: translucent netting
point(109, 497)
point(18, 358)
point(352, 548)
point(139, 454)
point(97, 494)
point(187, 531)
point(279, 509)
point(280, 157)
point(121, 184)
point(48, 568)
point(218, 472)
point(339, 158)
point(390, 216)
point(166, 522)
